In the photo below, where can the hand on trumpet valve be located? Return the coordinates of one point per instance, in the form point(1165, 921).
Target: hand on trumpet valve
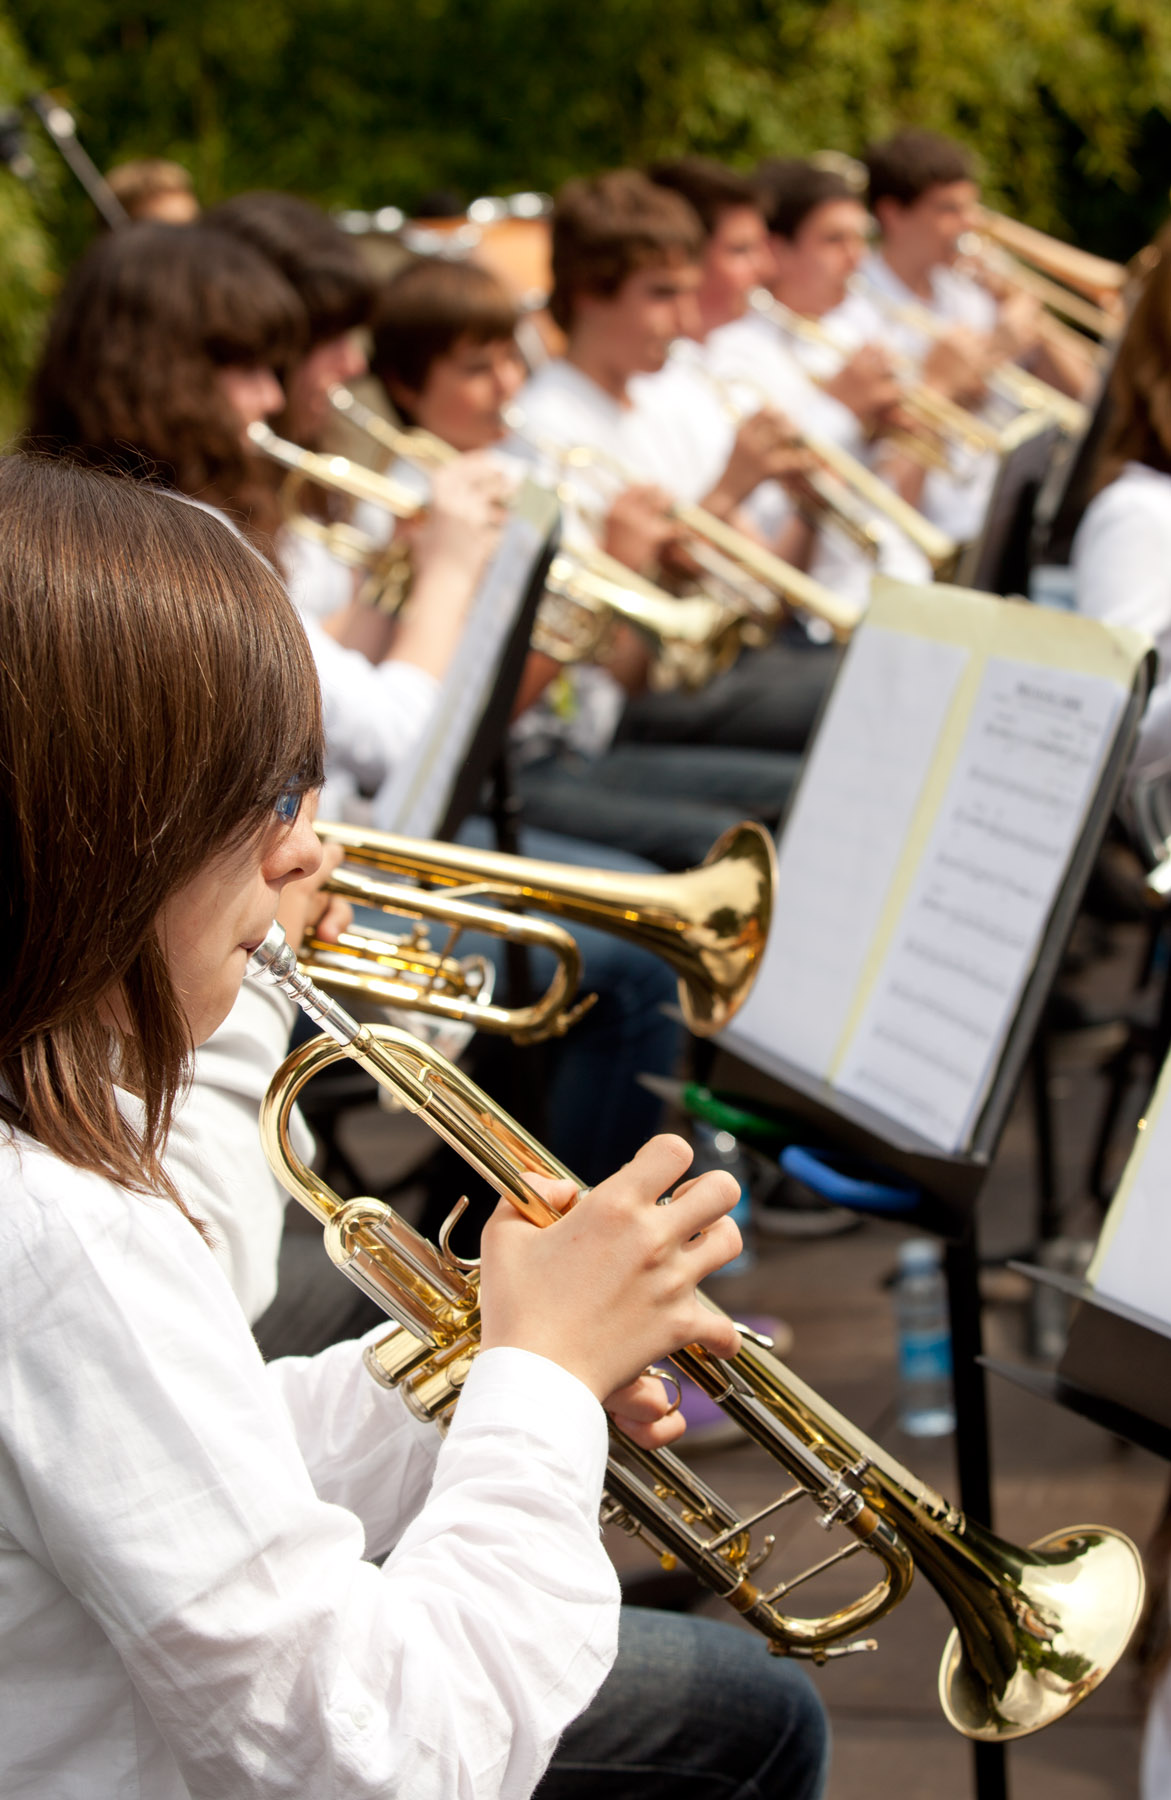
point(767, 447)
point(866, 385)
point(611, 1285)
point(639, 529)
point(957, 364)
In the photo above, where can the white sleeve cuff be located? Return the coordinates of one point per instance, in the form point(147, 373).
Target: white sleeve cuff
point(517, 1390)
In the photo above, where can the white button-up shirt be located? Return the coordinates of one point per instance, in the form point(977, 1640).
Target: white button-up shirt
point(184, 1608)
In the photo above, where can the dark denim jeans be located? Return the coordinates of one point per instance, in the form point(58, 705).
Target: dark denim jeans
point(667, 802)
point(694, 1710)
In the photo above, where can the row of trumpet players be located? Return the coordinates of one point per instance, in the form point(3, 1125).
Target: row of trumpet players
point(750, 407)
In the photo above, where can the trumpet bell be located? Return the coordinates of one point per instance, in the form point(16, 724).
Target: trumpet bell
point(1069, 1605)
point(710, 923)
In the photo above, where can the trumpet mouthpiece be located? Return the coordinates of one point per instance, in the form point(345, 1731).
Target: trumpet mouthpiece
point(274, 960)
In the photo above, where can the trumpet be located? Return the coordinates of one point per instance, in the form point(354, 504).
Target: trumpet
point(1036, 1629)
point(403, 970)
point(710, 924)
point(943, 419)
point(1010, 383)
point(857, 494)
point(758, 581)
point(585, 594)
point(386, 563)
point(1095, 278)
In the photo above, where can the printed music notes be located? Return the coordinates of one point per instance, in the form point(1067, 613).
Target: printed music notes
point(930, 838)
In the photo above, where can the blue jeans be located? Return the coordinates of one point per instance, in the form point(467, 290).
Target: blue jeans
point(668, 802)
point(770, 700)
point(694, 1710)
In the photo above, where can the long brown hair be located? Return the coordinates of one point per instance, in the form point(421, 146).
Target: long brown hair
point(127, 378)
point(156, 695)
point(1139, 427)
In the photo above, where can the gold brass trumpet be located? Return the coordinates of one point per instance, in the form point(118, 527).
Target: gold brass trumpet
point(1036, 1629)
point(586, 591)
point(1009, 382)
point(385, 563)
point(758, 581)
point(710, 924)
point(943, 419)
point(402, 969)
point(851, 491)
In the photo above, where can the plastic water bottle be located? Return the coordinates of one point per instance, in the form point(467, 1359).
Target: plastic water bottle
point(926, 1405)
point(720, 1150)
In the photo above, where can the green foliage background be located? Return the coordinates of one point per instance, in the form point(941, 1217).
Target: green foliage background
point(365, 102)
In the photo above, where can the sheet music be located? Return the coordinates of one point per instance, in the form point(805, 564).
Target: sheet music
point(843, 841)
point(1133, 1259)
point(415, 799)
point(931, 1035)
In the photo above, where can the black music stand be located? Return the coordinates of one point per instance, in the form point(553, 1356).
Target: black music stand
point(1115, 1369)
point(949, 1183)
point(998, 561)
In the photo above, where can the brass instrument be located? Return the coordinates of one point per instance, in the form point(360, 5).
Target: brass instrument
point(1060, 303)
point(1036, 1629)
point(943, 419)
point(386, 564)
point(755, 577)
point(858, 494)
point(710, 923)
point(1094, 277)
point(403, 969)
point(586, 591)
point(1015, 386)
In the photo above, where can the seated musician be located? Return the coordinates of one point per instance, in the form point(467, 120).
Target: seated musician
point(170, 402)
point(1121, 553)
point(748, 367)
point(443, 348)
point(922, 191)
point(626, 270)
point(185, 1607)
point(165, 344)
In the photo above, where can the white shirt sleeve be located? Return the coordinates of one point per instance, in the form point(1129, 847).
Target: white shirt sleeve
point(1122, 557)
point(375, 713)
point(186, 1556)
point(214, 1155)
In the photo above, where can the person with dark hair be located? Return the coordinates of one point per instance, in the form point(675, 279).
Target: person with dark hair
point(736, 365)
point(924, 193)
point(326, 271)
point(166, 343)
point(443, 345)
point(186, 1605)
point(818, 231)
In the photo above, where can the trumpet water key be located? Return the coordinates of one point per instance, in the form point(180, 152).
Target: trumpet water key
point(1036, 1630)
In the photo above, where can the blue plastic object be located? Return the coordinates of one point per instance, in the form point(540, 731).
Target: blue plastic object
point(844, 1181)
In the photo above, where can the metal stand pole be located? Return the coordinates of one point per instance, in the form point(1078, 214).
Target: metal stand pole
point(973, 1460)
